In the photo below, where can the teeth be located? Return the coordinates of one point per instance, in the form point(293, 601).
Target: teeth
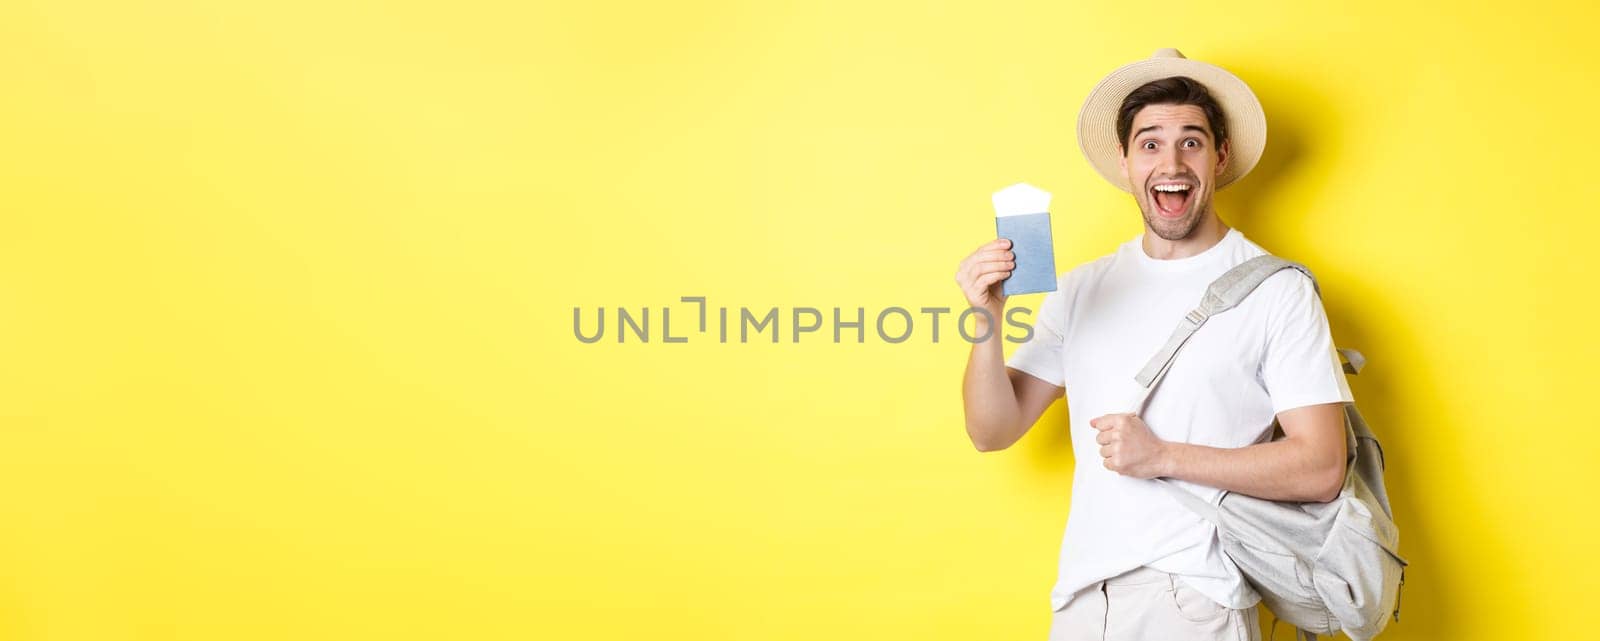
point(1172, 188)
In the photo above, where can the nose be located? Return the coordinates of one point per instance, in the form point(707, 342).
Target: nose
point(1172, 161)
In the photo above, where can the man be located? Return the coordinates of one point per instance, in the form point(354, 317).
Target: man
point(1135, 563)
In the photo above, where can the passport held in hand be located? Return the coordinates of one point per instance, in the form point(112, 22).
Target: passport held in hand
point(1022, 215)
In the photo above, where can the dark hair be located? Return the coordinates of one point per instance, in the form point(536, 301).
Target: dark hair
point(1176, 90)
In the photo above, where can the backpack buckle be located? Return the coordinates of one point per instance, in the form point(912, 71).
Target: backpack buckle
point(1194, 316)
point(1397, 592)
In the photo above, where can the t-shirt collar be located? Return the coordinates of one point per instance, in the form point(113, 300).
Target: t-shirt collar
point(1136, 247)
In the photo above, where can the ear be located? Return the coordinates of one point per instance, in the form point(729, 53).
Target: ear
point(1224, 153)
point(1122, 159)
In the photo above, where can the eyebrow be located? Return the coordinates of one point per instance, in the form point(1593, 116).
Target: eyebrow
point(1198, 128)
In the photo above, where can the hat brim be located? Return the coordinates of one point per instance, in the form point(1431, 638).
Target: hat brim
point(1097, 121)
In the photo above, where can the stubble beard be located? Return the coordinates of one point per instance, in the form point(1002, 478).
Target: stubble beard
point(1178, 229)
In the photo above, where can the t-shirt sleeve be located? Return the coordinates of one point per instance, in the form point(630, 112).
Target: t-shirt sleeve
point(1300, 366)
point(1041, 354)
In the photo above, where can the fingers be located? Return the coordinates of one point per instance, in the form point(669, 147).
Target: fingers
point(988, 266)
point(990, 263)
point(993, 254)
point(1105, 438)
point(974, 274)
point(1109, 421)
point(983, 282)
point(981, 263)
point(991, 250)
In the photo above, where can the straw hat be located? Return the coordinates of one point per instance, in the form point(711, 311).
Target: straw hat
point(1097, 122)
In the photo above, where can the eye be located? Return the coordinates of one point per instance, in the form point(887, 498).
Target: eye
point(1149, 144)
point(1196, 142)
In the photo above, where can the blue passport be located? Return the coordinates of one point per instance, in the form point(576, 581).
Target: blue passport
point(1021, 215)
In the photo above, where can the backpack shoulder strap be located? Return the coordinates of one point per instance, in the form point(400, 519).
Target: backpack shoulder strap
point(1224, 293)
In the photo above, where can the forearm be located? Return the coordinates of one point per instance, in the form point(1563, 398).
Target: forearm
point(1282, 470)
point(987, 396)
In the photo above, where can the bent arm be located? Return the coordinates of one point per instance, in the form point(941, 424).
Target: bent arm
point(1306, 465)
point(1001, 403)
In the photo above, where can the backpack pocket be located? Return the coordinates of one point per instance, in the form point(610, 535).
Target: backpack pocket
point(1285, 581)
point(1358, 570)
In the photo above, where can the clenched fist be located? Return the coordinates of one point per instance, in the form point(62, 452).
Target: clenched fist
point(1129, 447)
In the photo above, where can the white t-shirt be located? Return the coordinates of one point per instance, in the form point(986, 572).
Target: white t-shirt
point(1107, 317)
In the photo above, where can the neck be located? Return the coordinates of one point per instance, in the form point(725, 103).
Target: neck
point(1205, 235)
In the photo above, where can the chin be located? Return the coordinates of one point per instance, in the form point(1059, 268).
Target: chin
point(1173, 234)
point(1173, 229)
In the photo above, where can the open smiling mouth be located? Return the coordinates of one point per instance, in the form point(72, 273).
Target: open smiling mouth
point(1172, 199)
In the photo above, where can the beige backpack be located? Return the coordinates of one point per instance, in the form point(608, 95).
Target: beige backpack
point(1323, 567)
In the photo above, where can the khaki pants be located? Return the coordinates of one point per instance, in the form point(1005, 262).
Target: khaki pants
point(1146, 604)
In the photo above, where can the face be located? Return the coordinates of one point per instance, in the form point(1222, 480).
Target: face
point(1172, 164)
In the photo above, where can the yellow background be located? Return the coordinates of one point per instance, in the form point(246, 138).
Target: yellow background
point(286, 297)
